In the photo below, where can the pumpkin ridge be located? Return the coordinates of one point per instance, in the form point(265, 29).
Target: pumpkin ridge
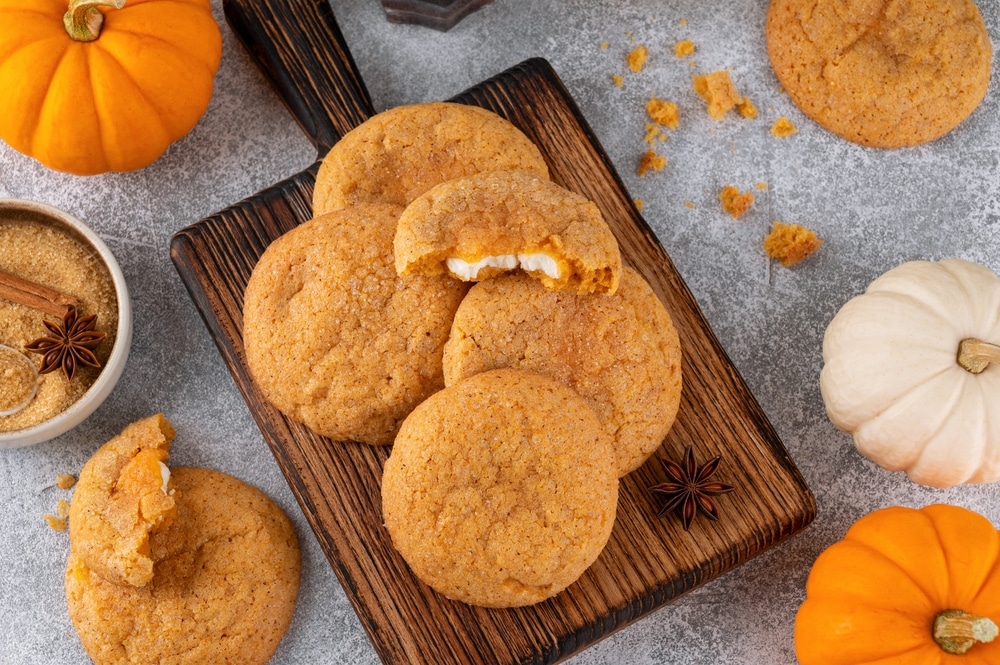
point(146, 37)
point(47, 99)
point(918, 583)
point(928, 301)
point(992, 568)
point(960, 394)
point(158, 113)
point(912, 395)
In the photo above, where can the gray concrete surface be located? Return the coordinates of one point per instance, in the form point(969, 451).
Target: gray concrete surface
point(874, 209)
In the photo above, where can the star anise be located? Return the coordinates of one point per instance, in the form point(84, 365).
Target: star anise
point(689, 489)
point(69, 345)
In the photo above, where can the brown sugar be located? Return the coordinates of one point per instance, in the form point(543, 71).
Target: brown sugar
point(684, 48)
point(735, 203)
point(783, 127)
point(636, 59)
point(790, 243)
point(18, 380)
point(718, 91)
point(663, 112)
point(650, 161)
point(51, 258)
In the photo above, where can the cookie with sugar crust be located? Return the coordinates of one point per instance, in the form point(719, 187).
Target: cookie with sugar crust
point(476, 227)
point(620, 352)
point(501, 489)
point(397, 155)
point(881, 74)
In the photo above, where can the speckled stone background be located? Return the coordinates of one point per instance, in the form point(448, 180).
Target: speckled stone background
point(874, 209)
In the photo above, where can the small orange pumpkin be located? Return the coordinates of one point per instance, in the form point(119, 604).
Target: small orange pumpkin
point(906, 587)
point(104, 86)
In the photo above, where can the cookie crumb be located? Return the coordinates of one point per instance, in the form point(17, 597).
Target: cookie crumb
point(689, 205)
point(735, 203)
point(636, 59)
point(684, 48)
point(618, 80)
point(718, 91)
point(56, 523)
point(790, 243)
point(663, 112)
point(639, 204)
point(65, 481)
point(604, 45)
point(683, 21)
point(761, 185)
point(747, 109)
point(654, 133)
point(650, 161)
point(783, 127)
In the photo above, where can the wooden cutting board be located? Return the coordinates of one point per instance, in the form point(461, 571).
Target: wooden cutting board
point(649, 560)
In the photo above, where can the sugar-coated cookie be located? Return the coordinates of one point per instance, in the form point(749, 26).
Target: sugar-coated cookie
point(621, 352)
point(124, 493)
point(397, 155)
point(225, 583)
point(486, 224)
point(334, 337)
point(501, 489)
point(882, 74)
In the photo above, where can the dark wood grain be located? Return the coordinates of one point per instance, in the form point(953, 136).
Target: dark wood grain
point(649, 561)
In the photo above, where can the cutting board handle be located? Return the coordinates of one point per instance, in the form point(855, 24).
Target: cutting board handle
point(299, 47)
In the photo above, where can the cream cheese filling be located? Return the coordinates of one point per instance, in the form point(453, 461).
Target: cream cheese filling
point(529, 261)
point(165, 475)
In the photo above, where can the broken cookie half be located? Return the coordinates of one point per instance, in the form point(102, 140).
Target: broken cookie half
point(477, 227)
point(123, 495)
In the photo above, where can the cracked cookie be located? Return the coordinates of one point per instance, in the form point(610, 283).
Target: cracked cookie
point(501, 489)
point(477, 227)
point(124, 494)
point(621, 353)
point(224, 589)
point(334, 337)
point(881, 73)
point(399, 154)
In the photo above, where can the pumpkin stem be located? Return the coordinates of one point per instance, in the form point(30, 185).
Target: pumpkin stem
point(974, 355)
point(956, 631)
point(83, 21)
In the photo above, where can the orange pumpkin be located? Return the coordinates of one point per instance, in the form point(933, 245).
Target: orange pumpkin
point(906, 587)
point(109, 88)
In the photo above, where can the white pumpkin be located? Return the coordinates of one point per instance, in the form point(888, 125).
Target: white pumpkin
point(892, 376)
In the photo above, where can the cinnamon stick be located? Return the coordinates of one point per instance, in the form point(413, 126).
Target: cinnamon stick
point(36, 296)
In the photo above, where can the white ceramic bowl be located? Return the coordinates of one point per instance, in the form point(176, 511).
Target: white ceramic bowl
point(112, 371)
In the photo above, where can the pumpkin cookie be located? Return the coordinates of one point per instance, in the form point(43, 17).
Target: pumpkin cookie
point(621, 353)
point(399, 154)
point(334, 338)
point(224, 590)
point(486, 224)
point(882, 74)
point(500, 490)
point(125, 493)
